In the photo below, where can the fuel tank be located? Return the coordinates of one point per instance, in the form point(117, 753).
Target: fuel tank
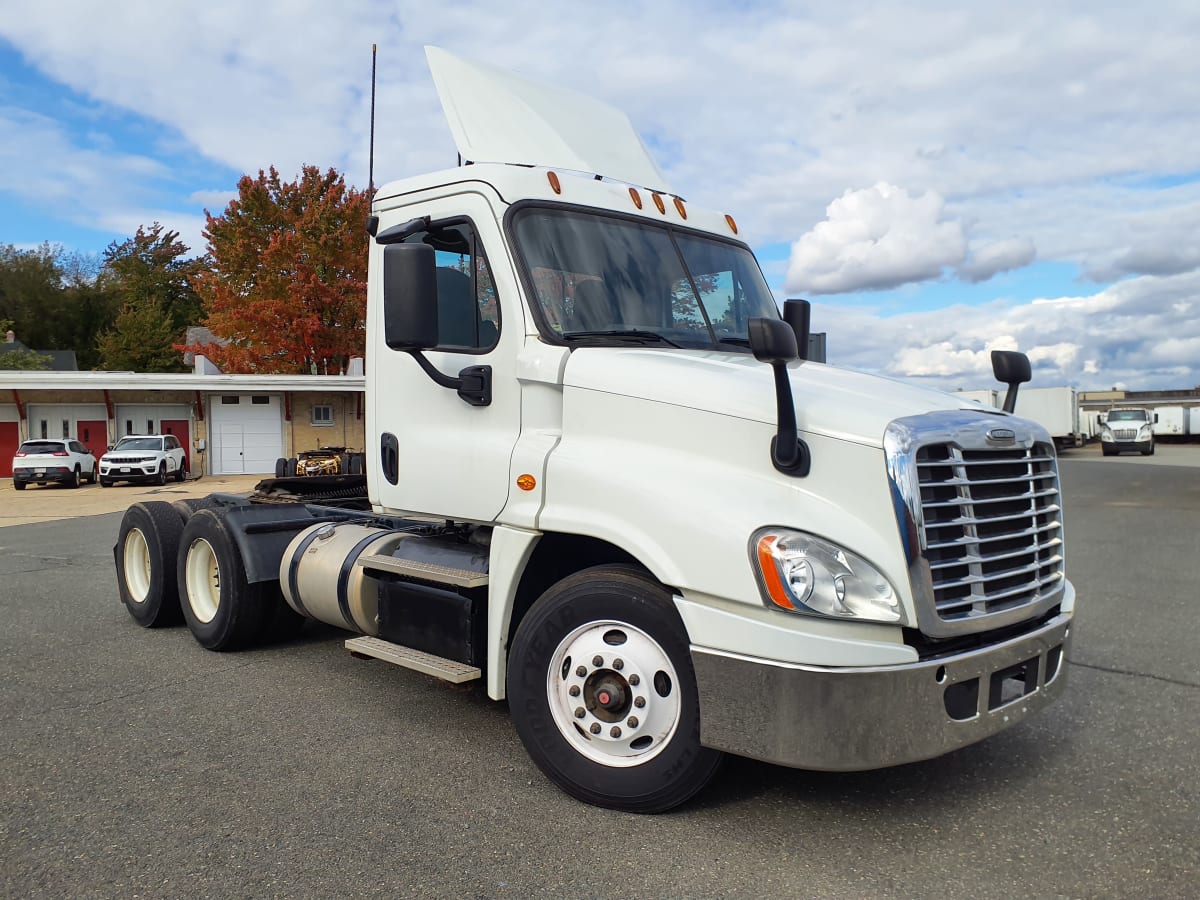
point(321, 579)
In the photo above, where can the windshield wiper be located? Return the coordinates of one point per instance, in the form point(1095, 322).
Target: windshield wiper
point(648, 337)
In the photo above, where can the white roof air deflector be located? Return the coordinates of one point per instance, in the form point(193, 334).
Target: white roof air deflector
point(496, 116)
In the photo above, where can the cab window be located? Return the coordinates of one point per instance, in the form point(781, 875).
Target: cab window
point(468, 309)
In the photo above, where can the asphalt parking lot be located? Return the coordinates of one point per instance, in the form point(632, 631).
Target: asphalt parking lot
point(137, 764)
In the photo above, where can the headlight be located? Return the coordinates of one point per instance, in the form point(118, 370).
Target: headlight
point(802, 573)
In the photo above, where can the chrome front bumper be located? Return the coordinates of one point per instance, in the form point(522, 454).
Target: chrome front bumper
point(852, 719)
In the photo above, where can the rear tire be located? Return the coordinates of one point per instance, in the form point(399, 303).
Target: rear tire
point(180, 474)
point(356, 464)
point(221, 609)
point(291, 467)
point(281, 467)
point(18, 485)
point(146, 554)
point(76, 479)
point(637, 745)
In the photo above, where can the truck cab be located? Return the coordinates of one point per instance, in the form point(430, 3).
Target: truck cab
point(1124, 430)
point(604, 481)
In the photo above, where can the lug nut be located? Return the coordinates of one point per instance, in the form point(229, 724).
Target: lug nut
point(580, 712)
point(581, 671)
point(597, 661)
point(574, 690)
point(618, 664)
point(633, 722)
point(634, 679)
point(595, 728)
point(616, 731)
point(639, 702)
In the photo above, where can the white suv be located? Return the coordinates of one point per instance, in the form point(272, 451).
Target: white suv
point(40, 461)
point(143, 457)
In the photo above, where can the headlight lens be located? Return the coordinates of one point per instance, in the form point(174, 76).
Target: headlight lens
point(802, 573)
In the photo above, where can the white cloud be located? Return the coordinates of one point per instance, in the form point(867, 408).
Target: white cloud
point(879, 237)
point(990, 259)
point(1135, 332)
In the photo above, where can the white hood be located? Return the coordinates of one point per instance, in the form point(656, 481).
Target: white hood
point(833, 402)
point(498, 117)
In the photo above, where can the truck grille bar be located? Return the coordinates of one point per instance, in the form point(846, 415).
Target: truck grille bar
point(993, 527)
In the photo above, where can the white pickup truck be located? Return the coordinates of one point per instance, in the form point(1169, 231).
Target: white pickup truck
point(601, 480)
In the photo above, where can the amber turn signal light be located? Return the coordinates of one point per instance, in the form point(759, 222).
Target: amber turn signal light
point(526, 482)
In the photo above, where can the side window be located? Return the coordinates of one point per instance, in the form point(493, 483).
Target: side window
point(468, 309)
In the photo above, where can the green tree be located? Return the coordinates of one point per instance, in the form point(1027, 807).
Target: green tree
point(141, 340)
point(149, 275)
point(23, 360)
point(286, 278)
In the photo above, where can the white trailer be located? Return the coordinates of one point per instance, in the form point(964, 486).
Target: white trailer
point(1054, 408)
point(1171, 421)
point(603, 481)
point(1194, 420)
point(987, 397)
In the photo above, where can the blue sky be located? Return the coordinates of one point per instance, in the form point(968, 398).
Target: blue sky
point(939, 179)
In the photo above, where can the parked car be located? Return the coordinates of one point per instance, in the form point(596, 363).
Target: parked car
point(143, 457)
point(43, 461)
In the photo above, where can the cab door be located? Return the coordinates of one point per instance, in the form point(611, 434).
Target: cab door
point(438, 454)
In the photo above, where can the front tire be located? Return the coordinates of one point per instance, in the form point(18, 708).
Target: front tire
point(603, 694)
point(105, 482)
point(147, 550)
point(161, 479)
point(222, 610)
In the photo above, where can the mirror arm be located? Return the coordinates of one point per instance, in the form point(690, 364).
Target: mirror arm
point(1010, 399)
point(789, 453)
point(474, 383)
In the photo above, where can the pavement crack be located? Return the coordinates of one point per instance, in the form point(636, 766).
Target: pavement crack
point(1113, 670)
point(149, 689)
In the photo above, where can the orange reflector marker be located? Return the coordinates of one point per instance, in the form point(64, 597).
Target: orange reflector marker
point(732, 224)
point(682, 209)
point(658, 201)
point(526, 482)
point(770, 573)
point(552, 177)
point(637, 198)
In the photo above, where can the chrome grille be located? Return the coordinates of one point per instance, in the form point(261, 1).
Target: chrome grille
point(992, 527)
point(1125, 434)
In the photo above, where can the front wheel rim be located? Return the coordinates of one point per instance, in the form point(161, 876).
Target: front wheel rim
point(137, 565)
point(202, 576)
point(614, 694)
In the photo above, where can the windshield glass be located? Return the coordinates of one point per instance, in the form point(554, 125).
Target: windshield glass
point(1127, 415)
point(139, 443)
point(603, 278)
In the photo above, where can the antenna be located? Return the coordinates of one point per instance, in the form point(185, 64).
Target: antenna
point(371, 164)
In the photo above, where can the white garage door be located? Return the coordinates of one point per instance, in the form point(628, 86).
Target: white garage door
point(246, 434)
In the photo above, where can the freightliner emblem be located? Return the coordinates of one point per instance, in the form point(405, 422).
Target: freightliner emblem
point(1001, 436)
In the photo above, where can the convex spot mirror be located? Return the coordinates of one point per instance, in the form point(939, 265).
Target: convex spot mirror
point(410, 313)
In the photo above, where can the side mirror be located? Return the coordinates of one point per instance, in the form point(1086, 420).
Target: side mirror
point(774, 342)
point(1156, 418)
point(410, 311)
point(1101, 419)
point(1011, 368)
point(797, 314)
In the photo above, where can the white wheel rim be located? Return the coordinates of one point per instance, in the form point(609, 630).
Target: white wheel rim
point(137, 565)
point(619, 665)
point(202, 577)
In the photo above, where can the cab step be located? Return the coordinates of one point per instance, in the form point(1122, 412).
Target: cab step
point(437, 666)
point(423, 571)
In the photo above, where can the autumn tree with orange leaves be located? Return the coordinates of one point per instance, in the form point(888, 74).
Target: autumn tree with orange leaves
point(286, 282)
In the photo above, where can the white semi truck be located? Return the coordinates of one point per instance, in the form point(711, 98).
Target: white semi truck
point(601, 480)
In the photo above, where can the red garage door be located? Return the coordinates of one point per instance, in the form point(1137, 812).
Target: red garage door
point(10, 440)
point(180, 428)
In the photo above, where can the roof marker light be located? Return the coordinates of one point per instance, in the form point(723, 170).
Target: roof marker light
point(637, 198)
point(658, 201)
point(732, 224)
point(682, 209)
point(552, 177)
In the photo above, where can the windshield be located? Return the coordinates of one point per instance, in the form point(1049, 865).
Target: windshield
point(1127, 415)
point(603, 278)
point(139, 443)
